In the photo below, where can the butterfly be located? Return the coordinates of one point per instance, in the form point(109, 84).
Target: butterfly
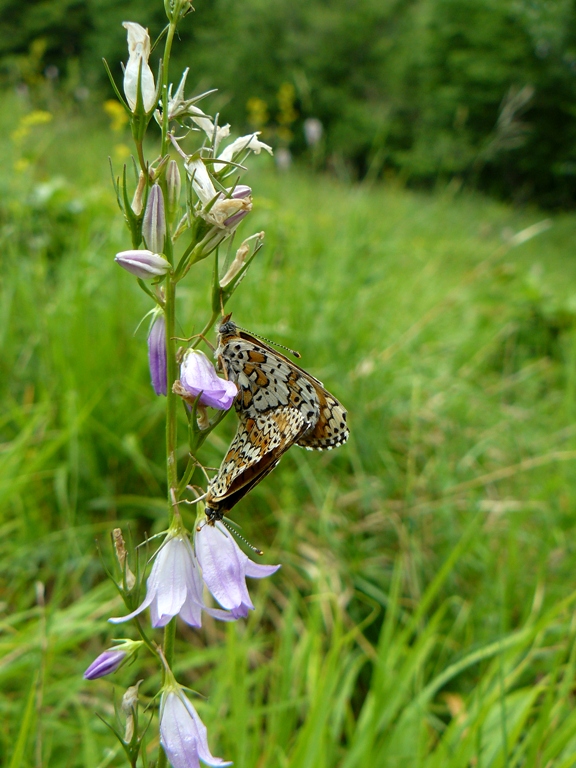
point(278, 405)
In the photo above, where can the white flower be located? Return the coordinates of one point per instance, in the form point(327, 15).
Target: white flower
point(138, 54)
point(249, 142)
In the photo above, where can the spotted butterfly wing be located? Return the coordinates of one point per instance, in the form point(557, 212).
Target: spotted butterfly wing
point(268, 380)
point(255, 450)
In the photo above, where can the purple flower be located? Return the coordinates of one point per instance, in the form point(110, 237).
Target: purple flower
point(157, 354)
point(107, 662)
point(197, 374)
point(225, 568)
point(143, 264)
point(182, 734)
point(154, 222)
point(174, 587)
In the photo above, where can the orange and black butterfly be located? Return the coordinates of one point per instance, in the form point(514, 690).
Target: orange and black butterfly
point(278, 405)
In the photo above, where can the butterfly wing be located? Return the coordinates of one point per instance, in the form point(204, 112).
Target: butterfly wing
point(258, 446)
point(268, 380)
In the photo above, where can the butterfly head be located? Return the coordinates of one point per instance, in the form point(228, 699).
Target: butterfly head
point(227, 327)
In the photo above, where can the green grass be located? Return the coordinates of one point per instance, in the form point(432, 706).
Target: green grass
point(423, 616)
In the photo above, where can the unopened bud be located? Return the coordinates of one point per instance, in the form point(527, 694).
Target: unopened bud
point(143, 264)
point(112, 659)
point(154, 224)
point(174, 185)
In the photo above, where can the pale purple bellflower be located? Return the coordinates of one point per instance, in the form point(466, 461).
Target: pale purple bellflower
point(183, 735)
point(197, 374)
point(174, 587)
point(225, 568)
point(157, 354)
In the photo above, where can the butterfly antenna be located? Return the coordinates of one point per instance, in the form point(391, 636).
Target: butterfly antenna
point(293, 352)
point(234, 532)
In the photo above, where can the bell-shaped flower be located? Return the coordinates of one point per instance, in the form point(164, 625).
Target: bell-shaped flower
point(250, 143)
point(138, 68)
point(157, 354)
point(225, 568)
point(198, 375)
point(154, 222)
point(143, 264)
point(174, 587)
point(183, 735)
point(112, 659)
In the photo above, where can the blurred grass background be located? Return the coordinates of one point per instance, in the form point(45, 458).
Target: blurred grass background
point(423, 615)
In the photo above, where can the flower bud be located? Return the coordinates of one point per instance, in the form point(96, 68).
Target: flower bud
point(174, 184)
point(154, 223)
point(157, 354)
point(112, 659)
point(144, 264)
point(107, 662)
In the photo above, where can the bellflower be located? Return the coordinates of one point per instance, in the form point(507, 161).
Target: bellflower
point(225, 568)
point(142, 263)
point(183, 735)
point(138, 54)
point(174, 586)
point(197, 374)
point(250, 142)
point(157, 354)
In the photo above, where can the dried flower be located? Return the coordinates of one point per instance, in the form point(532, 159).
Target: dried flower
point(183, 735)
point(143, 264)
point(197, 374)
point(157, 354)
point(138, 54)
point(225, 568)
point(174, 586)
point(154, 223)
point(251, 243)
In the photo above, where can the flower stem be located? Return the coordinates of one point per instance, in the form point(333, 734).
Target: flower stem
point(171, 404)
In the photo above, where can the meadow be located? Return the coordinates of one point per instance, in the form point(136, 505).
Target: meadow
point(424, 612)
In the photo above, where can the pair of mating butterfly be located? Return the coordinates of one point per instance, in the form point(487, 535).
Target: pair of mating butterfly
point(278, 405)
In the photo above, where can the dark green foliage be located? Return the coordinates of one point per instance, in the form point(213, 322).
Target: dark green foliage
point(483, 91)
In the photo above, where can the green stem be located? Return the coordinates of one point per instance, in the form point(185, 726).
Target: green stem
point(165, 75)
point(171, 398)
